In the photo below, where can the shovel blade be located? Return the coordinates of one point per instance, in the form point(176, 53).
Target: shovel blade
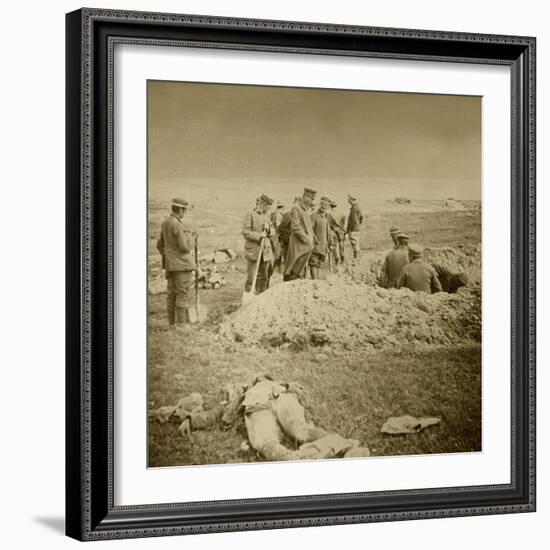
point(197, 314)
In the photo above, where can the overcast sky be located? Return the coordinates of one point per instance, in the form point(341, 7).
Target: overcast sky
point(206, 130)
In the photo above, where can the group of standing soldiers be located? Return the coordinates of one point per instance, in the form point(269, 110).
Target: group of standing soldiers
point(298, 239)
point(293, 241)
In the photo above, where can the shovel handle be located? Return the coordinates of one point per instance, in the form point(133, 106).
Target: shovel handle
point(256, 269)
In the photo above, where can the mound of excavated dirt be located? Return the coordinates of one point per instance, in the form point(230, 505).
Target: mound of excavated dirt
point(464, 259)
point(341, 312)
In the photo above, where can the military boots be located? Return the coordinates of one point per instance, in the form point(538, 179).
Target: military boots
point(181, 316)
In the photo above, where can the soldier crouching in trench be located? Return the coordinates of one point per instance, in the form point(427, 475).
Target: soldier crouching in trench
point(258, 234)
point(396, 260)
point(176, 245)
point(418, 275)
point(450, 281)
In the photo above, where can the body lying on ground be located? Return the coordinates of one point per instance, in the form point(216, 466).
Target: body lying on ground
point(274, 412)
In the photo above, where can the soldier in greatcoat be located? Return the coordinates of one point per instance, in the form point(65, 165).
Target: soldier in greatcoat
point(418, 275)
point(301, 240)
point(176, 246)
point(258, 234)
point(394, 262)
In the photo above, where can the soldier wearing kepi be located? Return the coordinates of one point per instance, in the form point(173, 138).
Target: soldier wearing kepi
point(394, 231)
point(258, 234)
point(300, 244)
point(355, 221)
point(321, 232)
point(418, 275)
point(395, 261)
point(176, 245)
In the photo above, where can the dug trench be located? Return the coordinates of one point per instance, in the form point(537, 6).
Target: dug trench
point(349, 311)
point(364, 353)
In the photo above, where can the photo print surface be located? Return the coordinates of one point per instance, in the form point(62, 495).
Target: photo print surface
point(314, 273)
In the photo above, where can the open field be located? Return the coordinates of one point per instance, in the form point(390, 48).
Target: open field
point(220, 207)
point(353, 391)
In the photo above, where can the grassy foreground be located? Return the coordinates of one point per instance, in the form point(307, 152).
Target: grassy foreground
point(351, 393)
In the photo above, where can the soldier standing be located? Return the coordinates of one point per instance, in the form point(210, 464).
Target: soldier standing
point(176, 245)
point(337, 226)
point(257, 230)
point(283, 234)
point(355, 221)
point(418, 275)
point(301, 239)
point(277, 216)
point(320, 225)
point(395, 261)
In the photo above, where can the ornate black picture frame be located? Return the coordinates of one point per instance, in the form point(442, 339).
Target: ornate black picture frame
point(90, 510)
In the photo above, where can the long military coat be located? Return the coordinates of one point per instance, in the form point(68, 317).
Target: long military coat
point(253, 225)
point(301, 240)
point(176, 244)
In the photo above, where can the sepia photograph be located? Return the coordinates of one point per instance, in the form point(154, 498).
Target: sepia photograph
point(314, 273)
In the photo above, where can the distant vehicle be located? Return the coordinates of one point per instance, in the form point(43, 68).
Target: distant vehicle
point(453, 204)
point(402, 200)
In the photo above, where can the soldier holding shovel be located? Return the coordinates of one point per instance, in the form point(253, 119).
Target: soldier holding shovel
point(176, 245)
point(258, 248)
